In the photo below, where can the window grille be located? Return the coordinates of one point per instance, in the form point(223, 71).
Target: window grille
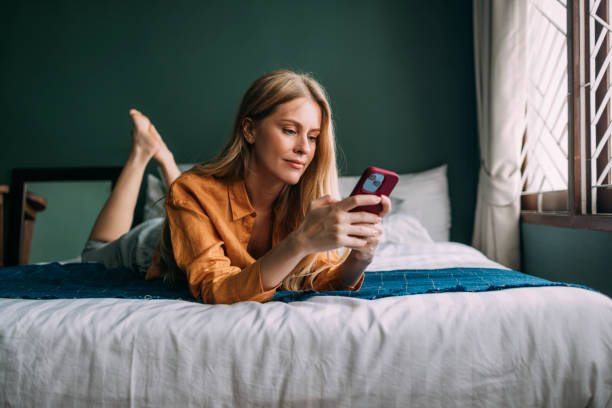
point(566, 158)
point(597, 174)
point(544, 155)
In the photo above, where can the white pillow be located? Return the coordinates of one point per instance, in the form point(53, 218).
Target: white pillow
point(402, 228)
point(156, 193)
point(423, 195)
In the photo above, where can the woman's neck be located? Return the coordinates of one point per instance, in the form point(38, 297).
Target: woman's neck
point(262, 194)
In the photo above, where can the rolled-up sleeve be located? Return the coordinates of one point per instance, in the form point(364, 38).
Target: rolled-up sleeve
point(329, 279)
point(198, 251)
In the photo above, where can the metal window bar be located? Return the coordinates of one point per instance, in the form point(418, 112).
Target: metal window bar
point(600, 95)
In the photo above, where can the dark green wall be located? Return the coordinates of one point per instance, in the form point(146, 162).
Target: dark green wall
point(568, 255)
point(400, 76)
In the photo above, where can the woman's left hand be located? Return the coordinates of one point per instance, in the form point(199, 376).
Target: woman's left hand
point(365, 254)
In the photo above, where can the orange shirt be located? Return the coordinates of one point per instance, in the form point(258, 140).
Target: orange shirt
point(211, 221)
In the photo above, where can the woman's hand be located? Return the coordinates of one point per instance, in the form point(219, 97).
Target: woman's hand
point(365, 254)
point(329, 225)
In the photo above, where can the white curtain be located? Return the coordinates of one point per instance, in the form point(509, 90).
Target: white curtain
point(501, 93)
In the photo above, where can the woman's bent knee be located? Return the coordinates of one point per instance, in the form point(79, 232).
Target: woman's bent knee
point(101, 252)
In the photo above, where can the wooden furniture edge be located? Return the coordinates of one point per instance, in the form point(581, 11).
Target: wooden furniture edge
point(17, 203)
point(564, 220)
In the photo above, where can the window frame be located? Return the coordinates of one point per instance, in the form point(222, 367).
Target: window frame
point(578, 197)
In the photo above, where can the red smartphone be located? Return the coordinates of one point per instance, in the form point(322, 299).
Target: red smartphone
point(375, 181)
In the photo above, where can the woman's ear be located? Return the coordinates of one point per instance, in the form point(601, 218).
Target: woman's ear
point(248, 130)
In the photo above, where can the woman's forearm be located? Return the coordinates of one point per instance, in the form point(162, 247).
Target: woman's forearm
point(279, 261)
point(351, 269)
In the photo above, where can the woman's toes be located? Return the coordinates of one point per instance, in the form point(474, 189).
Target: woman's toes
point(145, 137)
point(140, 121)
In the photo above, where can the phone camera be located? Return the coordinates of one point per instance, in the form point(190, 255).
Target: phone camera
point(373, 182)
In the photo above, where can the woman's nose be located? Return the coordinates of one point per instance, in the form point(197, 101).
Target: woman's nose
point(302, 144)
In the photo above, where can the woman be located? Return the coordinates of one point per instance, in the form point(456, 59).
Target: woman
point(262, 215)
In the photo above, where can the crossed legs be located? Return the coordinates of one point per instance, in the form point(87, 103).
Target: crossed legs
point(115, 218)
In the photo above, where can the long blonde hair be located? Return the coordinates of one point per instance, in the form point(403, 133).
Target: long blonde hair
point(319, 179)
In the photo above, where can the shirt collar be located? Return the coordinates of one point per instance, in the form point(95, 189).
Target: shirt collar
point(239, 199)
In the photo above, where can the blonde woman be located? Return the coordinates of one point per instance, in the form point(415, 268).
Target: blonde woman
point(263, 215)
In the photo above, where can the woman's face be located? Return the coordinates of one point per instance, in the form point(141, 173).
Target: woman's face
point(284, 142)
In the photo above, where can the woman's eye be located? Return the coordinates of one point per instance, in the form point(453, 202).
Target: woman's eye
point(313, 138)
point(288, 131)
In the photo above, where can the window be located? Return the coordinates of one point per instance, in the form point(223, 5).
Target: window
point(566, 159)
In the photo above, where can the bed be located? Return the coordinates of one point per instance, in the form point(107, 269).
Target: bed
point(461, 330)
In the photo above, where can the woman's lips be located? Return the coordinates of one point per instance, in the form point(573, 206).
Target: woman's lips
point(295, 164)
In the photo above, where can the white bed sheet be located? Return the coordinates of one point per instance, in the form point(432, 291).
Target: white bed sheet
point(439, 255)
point(525, 347)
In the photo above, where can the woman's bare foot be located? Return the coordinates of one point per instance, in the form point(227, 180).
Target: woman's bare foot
point(147, 141)
point(165, 160)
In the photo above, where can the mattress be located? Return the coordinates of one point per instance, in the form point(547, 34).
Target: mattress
point(545, 346)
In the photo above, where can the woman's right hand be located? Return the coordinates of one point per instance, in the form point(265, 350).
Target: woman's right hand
point(329, 224)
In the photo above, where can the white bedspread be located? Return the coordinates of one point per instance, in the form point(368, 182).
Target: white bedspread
point(526, 347)
point(391, 256)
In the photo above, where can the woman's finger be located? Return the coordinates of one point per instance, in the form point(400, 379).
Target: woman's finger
point(364, 230)
point(354, 243)
point(322, 201)
point(386, 206)
point(362, 217)
point(357, 200)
